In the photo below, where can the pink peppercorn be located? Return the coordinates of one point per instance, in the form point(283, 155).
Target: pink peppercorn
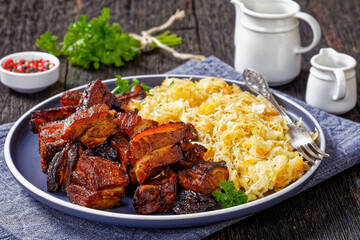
point(23, 66)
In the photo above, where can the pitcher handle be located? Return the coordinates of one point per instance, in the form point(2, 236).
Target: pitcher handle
point(340, 85)
point(315, 27)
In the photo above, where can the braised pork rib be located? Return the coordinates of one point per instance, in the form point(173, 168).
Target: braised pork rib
point(97, 183)
point(157, 194)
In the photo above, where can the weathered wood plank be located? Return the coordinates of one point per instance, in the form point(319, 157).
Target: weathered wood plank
point(340, 24)
point(135, 16)
point(20, 26)
point(216, 24)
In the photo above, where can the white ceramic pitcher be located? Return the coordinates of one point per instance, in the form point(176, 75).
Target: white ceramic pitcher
point(267, 38)
point(331, 84)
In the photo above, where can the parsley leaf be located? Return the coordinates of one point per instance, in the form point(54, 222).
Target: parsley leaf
point(88, 44)
point(227, 196)
point(48, 41)
point(123, 86)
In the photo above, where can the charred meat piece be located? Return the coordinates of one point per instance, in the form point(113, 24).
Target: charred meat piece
point(153, 162)
point(71, 98)
point(39, 117)
point(121, 144)
point(193, 133)
point(97, 134)
point(142, 125)
point(97, 183)
point(126, 122)
point(92, 126)
point(96, 173)
point(192, 202)
point(156, 195)
point(117, 105)
point(96, 93)
point(154, 138)
point(204, 177)
point(192, 154)
point(131, 124)
point(101, 199)
point(51, 149)
point(132, 176)
point(50, 142)
point(109, 99)
point(123, 103)
point(61, 167)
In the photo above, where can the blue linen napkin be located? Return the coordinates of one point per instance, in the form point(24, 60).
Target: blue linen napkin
point(24, 217)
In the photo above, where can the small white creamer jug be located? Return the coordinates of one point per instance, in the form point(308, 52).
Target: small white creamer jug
point(331, 84)
point(267, 38)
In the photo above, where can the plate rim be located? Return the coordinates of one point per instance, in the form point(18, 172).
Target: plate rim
point(125, 216)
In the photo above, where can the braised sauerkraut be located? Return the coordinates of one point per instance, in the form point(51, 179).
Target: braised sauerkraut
point(243, 130)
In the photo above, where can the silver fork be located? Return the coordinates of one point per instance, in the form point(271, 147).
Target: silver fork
point(300, 138)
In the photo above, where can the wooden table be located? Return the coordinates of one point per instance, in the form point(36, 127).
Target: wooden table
point(330, 210)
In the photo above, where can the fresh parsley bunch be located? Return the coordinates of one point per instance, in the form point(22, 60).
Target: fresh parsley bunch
point(98, 41)
point(227, 196)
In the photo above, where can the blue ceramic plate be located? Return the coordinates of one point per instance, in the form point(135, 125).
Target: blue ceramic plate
point(23, 160)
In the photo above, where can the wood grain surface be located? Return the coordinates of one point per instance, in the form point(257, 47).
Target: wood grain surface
point(330, 210)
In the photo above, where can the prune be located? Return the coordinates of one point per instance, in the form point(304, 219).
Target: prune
point(106, 152)
point(100, 149)
point(111, 154)
point(192, 202)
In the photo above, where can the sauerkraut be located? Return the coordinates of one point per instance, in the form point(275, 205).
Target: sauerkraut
point(243, 130)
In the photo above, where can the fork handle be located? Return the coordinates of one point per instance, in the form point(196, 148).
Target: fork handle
point(257, 84)
point(279, 109)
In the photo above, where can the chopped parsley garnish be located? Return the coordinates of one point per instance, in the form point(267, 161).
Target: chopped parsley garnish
point(123, 85)
point(227, 196)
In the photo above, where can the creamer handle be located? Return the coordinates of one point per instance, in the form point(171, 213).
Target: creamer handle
point(340, 85)
point(315, 27)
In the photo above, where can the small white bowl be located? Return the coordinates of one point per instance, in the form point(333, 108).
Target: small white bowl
point(30, 82)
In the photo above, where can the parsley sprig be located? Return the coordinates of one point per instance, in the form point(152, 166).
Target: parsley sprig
point(227, 196)
point(91, 43)
point(123, 86)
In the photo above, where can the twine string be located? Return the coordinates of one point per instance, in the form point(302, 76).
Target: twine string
point(146, 39)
